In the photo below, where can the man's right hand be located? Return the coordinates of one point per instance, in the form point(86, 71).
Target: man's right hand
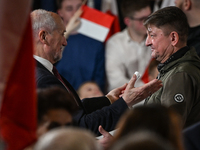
point(134, 95)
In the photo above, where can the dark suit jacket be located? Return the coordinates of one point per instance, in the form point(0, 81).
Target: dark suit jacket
point(93, 111)
point(192, 137)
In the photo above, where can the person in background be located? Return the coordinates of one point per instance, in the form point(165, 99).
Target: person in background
point(179, 65)
point(191, 8)
point(83, 59)
point(89, 89)
point(126, 51)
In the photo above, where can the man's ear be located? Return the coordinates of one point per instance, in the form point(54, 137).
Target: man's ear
point(174, 38)
point(127, 21)
point(43, 36)
point(187, 4)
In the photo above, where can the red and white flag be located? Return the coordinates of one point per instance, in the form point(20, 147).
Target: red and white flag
point(17, 78)
point(95, 24)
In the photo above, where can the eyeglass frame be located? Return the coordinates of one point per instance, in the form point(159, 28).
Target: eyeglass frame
point(138, 19)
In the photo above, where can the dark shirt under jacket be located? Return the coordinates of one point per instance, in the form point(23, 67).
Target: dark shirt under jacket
point(93, 111)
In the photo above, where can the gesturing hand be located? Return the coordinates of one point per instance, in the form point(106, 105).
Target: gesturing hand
point(134, 95)
point(116, 93)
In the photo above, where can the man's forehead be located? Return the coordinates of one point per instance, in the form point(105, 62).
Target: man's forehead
point(152, 28)
point(72, 2)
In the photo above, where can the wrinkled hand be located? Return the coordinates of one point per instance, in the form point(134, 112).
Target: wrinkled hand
point(116, 93)
point(107, 138)
point(73, 23)
point(134, 95)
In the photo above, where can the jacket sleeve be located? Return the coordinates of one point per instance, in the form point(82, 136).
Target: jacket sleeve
point(92, 104)
point(178, 93)
point(108, 117)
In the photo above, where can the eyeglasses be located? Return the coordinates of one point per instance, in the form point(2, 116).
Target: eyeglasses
point(138, 19)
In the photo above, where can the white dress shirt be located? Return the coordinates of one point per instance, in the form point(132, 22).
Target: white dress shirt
point(47, 64)
point(123, 57)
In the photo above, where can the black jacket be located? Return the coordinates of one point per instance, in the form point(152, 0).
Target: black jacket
point(93, 111)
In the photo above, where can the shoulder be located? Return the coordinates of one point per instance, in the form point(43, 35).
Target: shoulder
point(119, 36)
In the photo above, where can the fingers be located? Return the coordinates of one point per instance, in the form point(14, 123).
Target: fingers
point(132, 81)
point(123, 87)
point(78, 13)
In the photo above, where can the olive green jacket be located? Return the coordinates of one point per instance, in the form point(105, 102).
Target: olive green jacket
point(181, 87)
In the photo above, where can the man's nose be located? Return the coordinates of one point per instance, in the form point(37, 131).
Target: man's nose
point(148, 41)
point(64, 42)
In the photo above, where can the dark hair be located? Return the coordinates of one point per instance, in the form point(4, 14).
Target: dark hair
point(54, 98)
point(170, 19)
point(142, 140)
point(128, 7)
point(59, 3)
point(154, 118)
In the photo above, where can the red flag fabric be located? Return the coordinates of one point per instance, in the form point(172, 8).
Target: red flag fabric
point(95, 23)
point(17, 78)
point(145, 76)
point(115, 26)
point(18, 108)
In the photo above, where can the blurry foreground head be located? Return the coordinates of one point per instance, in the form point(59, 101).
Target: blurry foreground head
point(142, 140)
point(55, 108)
point(157, 119)
point(67, 139)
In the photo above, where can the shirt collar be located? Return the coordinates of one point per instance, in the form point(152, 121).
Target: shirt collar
point(47, 64)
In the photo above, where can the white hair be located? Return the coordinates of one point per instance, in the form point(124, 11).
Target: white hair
point(42, 19)
point(69, 138)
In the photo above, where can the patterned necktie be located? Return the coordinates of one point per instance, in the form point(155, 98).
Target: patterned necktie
point(56, 73)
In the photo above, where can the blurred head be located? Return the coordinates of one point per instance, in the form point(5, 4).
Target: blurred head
point(154, 118)
point(191, 8)
point(67, 8)
point(48, 29)
point(142, 140)
point(134, 13)
point(179, 3)
point(88, 90)
point(67, 139)
point(55, 107)
point(167, 31)
point(187, 5)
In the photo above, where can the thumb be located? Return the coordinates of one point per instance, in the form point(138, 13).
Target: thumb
point(103, 132)
point(123, 87)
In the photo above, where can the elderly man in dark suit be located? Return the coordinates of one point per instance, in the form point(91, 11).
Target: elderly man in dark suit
point(49, 40)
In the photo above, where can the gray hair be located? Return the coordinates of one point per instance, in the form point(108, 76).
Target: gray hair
point(42, 19)
point(70, 138)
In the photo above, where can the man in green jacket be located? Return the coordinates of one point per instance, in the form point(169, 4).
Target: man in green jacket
point(179, 67)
